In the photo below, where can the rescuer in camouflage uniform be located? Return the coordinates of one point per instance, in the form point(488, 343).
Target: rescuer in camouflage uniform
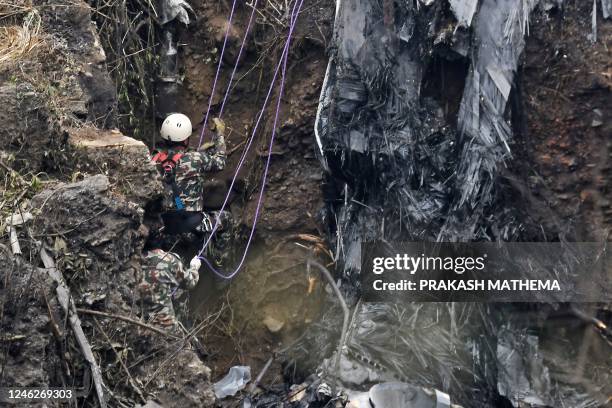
point(185, 174)
point(164, 278)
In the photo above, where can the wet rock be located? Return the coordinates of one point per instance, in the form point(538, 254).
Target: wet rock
point(273, 324)
point(125, 160)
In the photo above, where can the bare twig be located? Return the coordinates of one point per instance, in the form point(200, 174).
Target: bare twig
point(14, 240)
point(121, 362)
point(57, 332)
point(13, 172)
point(65, 300)
point(17, 200)
point(601, 327)
point(184, 342)
point(238, 146)
point(345, 310)
point(263, 371)
point(54, 234)
point(126, 319)
point(16, 337)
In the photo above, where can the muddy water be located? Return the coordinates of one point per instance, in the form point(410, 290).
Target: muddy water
point(270, 304)
point(274, 304)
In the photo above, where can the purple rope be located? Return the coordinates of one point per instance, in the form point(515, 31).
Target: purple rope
point(212, 93)
point(246, 34)
point(252, 137)
point(248, 146)
point(282, 62)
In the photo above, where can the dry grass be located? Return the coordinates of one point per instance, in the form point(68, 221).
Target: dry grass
point(30, 52)
point(20, 41)
point(14, 8)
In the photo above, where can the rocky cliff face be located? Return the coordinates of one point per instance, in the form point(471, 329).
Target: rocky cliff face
point(95, 236)
point(85, 187)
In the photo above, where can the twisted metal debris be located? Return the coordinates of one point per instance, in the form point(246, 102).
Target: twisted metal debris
point(402, 165)
point(399, 166)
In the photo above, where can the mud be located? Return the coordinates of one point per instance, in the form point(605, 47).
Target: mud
point(294, 197)
point(81, 217)
point(566, 122)
point(96, 239)
point(86, 189)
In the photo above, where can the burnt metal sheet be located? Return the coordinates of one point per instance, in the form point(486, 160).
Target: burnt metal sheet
point(464, 10)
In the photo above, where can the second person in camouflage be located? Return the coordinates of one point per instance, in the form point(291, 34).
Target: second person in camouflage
point(164, 277)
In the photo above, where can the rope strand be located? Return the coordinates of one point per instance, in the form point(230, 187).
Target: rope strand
point(283, 62)
point(246, 34)
point(212, 93)
point(252, 137)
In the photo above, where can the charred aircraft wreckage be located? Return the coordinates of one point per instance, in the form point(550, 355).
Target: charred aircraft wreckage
point(414, 129)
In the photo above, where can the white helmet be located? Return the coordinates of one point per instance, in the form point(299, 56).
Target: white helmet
point(176, 128)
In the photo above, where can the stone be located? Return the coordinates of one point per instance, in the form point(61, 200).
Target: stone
point(273, 324)
point(125, 160)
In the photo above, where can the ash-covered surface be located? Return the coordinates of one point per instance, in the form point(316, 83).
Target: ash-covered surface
point(401, 165)
point(425, 134)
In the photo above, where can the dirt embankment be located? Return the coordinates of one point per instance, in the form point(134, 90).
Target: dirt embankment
point(87, 185)
point(566, 121)
point(273, 290)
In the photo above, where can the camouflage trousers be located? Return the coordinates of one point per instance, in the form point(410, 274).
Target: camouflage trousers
point(167, 310)
point(163, 286)
point(161, 312)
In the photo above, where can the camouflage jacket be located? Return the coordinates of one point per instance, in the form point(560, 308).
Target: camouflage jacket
point(190, 175)
point(163, 276)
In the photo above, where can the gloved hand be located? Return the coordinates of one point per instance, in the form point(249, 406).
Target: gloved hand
point(219, 126)
point(195, 263)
